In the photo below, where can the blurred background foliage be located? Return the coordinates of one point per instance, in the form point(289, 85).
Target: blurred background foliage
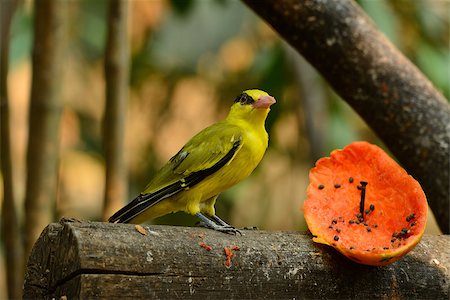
point(189, 60)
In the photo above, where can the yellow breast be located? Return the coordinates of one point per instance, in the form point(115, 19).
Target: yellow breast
point(240, 167)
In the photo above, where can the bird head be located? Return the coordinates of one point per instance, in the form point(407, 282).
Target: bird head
point(252, 105)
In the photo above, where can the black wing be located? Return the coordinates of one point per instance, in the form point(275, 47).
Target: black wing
point(145, 201)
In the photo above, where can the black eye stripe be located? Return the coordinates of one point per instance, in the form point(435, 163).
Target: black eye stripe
point(244, 99)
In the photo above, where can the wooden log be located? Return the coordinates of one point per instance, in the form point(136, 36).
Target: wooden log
point(102, 260)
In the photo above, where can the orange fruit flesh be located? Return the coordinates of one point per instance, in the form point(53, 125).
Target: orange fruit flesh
point(395, 205)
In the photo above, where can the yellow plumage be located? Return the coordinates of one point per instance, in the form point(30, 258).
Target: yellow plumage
point(215, 159)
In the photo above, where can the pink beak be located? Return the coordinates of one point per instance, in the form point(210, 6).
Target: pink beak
point(264, 102)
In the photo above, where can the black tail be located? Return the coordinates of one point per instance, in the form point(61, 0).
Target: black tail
point(143, 202)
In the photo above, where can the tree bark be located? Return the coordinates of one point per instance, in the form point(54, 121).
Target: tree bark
point(116, 74)
point(395, 99)
point(11, 235)
point(104, 261)
point(44, 117)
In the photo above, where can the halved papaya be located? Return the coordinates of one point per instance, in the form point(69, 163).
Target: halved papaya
point(361, 202)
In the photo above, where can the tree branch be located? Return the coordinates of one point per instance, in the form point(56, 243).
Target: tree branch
point(367, 71)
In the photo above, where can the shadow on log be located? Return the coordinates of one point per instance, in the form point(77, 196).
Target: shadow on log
point(102, 260)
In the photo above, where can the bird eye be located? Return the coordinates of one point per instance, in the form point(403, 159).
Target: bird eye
point(244, 99)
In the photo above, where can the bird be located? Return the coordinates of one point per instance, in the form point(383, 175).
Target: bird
point(215, 159)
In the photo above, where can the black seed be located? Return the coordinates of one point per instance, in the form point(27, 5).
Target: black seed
point(395, 234)
point(363, 197)
point(368, 229)
point(336, 238)
point(375, 225)
point(351, 247)
point(410, 217)
point(357, 222)
point(359, 215)
point(386, 248)
point(393, 240)
point(361, 220)
point(359, 187)
point(413, 224)
point(372, 207)
point(350, 180)
point(338, 230)
point(334, 221)
point(367, 211)
point(321, 186)
point(331, 226)
point(337, 185)
point(351, 221)
point(364, 223)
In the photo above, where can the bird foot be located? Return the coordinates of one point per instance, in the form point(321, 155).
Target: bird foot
point(217, 224)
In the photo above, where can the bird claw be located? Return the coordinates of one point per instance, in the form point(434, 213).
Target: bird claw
point(225, 229)
point(229, 229)
point(217, 225)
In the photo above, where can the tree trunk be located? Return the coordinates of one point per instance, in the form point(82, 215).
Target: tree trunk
point(385, 88)
point(44, 117)
point(116, 74)
point(11, 235)
point(105, 261)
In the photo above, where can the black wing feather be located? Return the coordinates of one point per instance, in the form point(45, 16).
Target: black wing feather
point(145, 201)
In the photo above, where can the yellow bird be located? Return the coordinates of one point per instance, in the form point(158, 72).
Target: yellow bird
point(215, 159)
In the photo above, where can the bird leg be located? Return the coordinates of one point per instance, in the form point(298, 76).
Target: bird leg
point(218, 224)
point(220, 221)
